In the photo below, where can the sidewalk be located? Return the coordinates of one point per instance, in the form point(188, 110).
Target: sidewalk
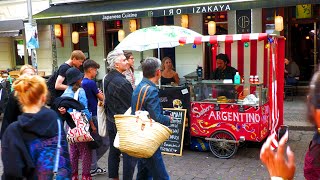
point(295, 114)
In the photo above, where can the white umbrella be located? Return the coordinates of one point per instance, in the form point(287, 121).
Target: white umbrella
point(155, 37)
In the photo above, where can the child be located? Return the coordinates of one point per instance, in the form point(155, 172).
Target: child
point(93, 94)
point(79, 149)
point(30, 145)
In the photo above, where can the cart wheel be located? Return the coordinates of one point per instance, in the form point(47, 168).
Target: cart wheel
point(220, 149)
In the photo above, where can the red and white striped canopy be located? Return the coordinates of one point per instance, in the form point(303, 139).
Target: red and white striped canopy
point(223, 38)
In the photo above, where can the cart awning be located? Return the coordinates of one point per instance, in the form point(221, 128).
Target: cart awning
point(130, 9)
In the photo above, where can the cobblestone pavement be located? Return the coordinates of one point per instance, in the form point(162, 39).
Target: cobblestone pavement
point(245, 164)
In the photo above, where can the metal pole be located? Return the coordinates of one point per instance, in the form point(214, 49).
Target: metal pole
point(33, 51)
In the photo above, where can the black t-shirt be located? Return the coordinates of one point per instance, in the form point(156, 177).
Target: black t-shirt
point(225, 90)
point(62, 72)
point(227, 73)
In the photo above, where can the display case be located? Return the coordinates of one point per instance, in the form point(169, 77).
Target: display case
point(225, 92)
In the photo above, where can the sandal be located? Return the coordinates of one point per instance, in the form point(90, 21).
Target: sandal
point(98, 171)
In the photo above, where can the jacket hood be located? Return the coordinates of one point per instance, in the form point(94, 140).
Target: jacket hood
point(43, 124)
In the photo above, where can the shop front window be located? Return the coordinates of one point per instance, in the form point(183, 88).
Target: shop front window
point(83, 43)
point(19, 53)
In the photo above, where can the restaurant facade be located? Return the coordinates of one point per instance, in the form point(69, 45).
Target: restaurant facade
point(97, 23)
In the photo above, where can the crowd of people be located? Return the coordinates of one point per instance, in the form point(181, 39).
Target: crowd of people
point(34, 137)
point(40, 150)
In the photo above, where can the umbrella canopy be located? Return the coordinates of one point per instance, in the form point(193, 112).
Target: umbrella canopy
point(155, 37)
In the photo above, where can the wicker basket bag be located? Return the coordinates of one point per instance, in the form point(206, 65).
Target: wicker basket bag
point(140, 136)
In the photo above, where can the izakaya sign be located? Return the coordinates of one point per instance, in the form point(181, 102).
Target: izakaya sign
point(168, 12)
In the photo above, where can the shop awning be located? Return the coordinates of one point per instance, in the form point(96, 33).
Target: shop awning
point(123, 9)
point(10, 28)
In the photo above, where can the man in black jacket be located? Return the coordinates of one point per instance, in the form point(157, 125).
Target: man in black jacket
point(118, 92)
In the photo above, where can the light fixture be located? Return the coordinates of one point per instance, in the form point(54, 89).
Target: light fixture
point(211, 28)
point(278, 22)
point(75, 37)
point(121, 35)
point(307, 37)
point(185, 21)
point(58, 32)
point(132, 25)
point(92, 32)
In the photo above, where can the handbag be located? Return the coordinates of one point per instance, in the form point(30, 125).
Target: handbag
point(80, 133)
point(101, 116)
point(139, 135)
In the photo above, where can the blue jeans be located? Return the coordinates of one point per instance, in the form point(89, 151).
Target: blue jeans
point(153, 166)
point(129, 162)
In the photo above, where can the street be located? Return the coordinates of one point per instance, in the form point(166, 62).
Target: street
point(244, 165)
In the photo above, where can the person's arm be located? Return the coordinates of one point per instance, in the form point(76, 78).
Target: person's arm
point(176, 78)
point(124, 94)
point(153, 105)
point(59, 85)
point(275, 161)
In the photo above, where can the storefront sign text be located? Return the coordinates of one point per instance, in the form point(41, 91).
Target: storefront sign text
point(119, 16)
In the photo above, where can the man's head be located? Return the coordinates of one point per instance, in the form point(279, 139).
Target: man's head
point(77, 57)
point(151, 68)
point(117, 61)
point(90, 68)
point(222, 61)
point(286, 61)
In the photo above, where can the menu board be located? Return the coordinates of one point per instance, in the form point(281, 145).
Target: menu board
point(174, 144)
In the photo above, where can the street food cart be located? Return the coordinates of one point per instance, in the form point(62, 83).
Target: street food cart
point(255, 108)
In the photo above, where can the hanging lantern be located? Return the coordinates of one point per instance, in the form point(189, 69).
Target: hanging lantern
point(185, 21)
point(121, 35)
point(132, 25)
point(91, 28)
point(278, 22)
point(75, 37)
point(58, 30)
point(211, 28)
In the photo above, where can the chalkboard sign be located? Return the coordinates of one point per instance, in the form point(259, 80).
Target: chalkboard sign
point(174, 144)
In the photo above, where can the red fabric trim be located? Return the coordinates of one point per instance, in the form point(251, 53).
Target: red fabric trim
point(280, 77)
point(183, 40)
point(253, 57)
point(265, 64)
point(213, 40)
point(214, 51)
point(240, 57)
point(245, 38)
point(270, 88)
point(262, 36)
point(197, 40)
point(227, 47)
point(229, 39)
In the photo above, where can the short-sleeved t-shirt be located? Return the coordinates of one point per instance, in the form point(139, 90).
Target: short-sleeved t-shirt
point(62, 72)
point(91, 89)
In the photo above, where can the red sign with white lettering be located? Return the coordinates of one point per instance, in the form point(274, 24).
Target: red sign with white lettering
point(250, 122)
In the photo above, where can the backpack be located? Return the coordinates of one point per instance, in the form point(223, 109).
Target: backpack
point(51, 87)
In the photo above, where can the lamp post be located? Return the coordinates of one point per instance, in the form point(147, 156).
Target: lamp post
point(33, 51)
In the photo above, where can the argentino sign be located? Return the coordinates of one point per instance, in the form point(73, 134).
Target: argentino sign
point(168, 12)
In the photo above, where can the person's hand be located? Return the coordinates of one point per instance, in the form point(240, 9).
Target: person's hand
point(62, 110)
point(275, 161)
point(93, 128)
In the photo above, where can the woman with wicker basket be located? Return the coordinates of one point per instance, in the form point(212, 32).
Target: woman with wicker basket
point(150, 102)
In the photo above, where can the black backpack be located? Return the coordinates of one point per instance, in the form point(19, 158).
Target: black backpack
point(51, 87)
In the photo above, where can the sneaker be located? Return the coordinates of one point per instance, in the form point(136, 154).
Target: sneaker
point(98, 171)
